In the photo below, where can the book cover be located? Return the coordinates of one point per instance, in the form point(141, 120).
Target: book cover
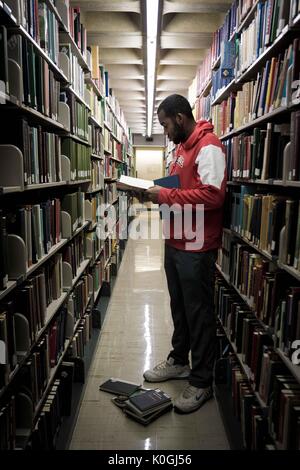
point(150, 417)
point(119, 387)
point(128, 183)
point(149, 400)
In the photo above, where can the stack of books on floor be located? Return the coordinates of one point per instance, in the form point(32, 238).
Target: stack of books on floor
point(142, 405)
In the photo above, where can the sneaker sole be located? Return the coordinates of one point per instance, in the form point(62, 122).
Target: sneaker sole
point(182, 412)
point(157, 379)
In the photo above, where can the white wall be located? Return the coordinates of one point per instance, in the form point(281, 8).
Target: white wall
point(149, 163)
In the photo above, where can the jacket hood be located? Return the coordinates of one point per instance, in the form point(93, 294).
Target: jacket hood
point(202, 128)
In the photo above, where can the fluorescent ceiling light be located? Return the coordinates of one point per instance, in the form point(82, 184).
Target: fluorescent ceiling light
point(152, 21)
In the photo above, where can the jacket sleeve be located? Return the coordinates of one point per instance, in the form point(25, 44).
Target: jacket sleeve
point(211, 191)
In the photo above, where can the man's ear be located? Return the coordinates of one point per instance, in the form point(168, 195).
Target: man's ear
point(179, 119)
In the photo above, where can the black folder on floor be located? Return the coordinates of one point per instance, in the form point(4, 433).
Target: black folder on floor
point(119, 387)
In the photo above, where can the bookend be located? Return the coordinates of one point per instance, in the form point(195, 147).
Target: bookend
point(66, 225)
point(91, 284)
point(64, 63)
point(89, 248)
point(79, 369)
point(11, 168)
point(67, 276)
point(15, 80)
point(62, 9)
point(64, 115)
point(70, 323)
point(22, 335)
point(88, 210)
point(96, 318)
point(17, 254)
point(65, 168)
point(106, 289)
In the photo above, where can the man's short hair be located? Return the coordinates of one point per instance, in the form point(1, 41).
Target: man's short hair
point(174, 104)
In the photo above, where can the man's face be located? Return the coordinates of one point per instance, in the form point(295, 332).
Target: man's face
point(173, 128)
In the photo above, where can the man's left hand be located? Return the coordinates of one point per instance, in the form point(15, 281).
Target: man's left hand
point(152, 193)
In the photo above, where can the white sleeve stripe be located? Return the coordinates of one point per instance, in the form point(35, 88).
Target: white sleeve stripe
point(211, 165)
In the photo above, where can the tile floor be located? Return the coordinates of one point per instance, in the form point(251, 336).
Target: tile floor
point(135, 336)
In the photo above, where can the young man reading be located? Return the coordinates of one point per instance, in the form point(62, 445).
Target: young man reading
point(189, 264)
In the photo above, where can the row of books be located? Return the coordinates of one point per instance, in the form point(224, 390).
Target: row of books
point(96, 244)
point(97, 70)
point(285, 412)
point(56, 407)
point(38, 225)
point(21, 427)
point(271, 293)
point(263, 369)
point(110, 193)
point(116, 150)
point(98, 204)
point(79, 156)
point(74, 205)
point(203, 108)
point(269, 20)
point(40, 150)
point(272, 89)
point(219, 81)
point(203, 75)
point(97, 175)
point(265, 154)
point(35, 73)
point(98, 272)
point(244, 330)
point(78, 302)
point(246, 407)
point(74, 252)
point(81, 338)
point(75, 75)
point(113, 123)
point(269, 221)
point(242, 9)
point(223, 35)
point(79, 114)
point(33, 82)
point(23, 317)
point(13, 417)
point(96, 140)
point(38, 88)
point(40, 22)
point(112, 169)
point(96, 105)
point(77, 30)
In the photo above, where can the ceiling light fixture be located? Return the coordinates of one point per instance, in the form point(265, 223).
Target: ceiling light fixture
point(152, 23)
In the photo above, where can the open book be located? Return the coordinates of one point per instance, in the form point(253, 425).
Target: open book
point(128, 183)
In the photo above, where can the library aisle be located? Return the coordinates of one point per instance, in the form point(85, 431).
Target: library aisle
point(135, 336)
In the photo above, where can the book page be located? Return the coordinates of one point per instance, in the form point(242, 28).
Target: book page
point(128, 183)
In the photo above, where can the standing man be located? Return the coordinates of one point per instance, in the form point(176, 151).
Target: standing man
point(200, 164)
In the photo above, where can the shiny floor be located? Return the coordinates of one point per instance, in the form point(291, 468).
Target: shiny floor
point(135, 336)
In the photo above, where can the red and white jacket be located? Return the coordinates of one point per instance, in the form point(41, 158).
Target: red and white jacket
point(200, 163)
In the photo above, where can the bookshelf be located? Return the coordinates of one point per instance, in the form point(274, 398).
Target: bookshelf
point(257, 104)
point(53, 265)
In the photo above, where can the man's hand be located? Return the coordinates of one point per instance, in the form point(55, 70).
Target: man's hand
point(152, 193)
point(139, 195)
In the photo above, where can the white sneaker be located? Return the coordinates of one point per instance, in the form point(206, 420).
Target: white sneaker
point(192, 398)
point(167, 370)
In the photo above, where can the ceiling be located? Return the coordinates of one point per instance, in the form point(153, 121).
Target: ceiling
point(119, 28)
